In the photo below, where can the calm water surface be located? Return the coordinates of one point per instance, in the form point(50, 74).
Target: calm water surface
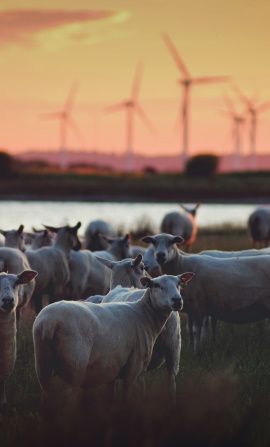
point(126, 215)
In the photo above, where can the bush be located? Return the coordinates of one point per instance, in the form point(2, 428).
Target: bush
point(204, 165)
point(6, 165)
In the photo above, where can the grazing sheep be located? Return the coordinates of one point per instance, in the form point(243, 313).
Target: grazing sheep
point(14, 238)
point(182, 223)
point(93, 233)
point(119, 248)
point(52, 264)
point(167, 347)
point(9, 300)
point(259, 227)
point(234, 290)
point(14, 261)
point(88, 345)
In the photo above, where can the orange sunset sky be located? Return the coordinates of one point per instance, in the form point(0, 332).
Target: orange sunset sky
point(47, 45)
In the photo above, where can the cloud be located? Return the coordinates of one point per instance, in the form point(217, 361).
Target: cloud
point(20, 26)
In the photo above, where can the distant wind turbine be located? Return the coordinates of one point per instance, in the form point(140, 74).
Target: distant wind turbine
point(187, 81)
point(65, 121)
point(132, 107)
point(237, 131)
point(253, 110)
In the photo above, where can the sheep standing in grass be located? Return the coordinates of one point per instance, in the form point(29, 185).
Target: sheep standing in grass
point(259, 227)
point(14, 261)
point(233, 289)
point(52, 264)
point(182, 223)
point(9, 300)
point(167, 348)
point(93, 234)
point(87, 345)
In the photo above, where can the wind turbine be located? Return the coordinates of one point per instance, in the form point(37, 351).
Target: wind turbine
point(187, 81)
point(65, 121)
point(132, 107)
point(253, 110)
point(237, 131)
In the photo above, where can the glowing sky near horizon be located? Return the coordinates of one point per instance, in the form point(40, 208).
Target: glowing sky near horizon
point(46, 45)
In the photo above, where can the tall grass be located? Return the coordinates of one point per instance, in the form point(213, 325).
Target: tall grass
point(223, 394)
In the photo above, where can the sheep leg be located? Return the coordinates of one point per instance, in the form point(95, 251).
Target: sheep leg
point(190, 330)
point(3, 399)
point(214, 329)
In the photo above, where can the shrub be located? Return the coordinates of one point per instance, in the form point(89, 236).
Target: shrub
point(204, 165)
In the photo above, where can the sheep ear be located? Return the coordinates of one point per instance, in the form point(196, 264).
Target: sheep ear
point(52, 229)
point(106, 262)
point(20, 229)
point(183, 207)
point(185, 278)
point(148, 239)
point(137, 260)
point(77, 226)
point(26, 276)
point(35, 230)
point(146, 282)
point(3, 232)
point(177, 240)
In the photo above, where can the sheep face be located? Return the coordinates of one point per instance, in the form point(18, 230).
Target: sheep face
point(164, 246)
point(165, 291)
point(14, 238)
point(150, 263)
point(9, 288)
point(133, 268)
point(120, 246)
point(67, 235)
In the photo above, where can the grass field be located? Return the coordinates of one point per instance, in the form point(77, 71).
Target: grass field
point(223, 395)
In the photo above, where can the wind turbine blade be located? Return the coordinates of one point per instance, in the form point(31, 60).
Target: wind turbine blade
point(176, 57)
point(245, 100)
point(51, 116)
point(115, 107)
point(70, 98)
point(76, 130)
point(264, 106)
point(229, 105)
point(137, 82)
point(209, 79)
point(147, 122)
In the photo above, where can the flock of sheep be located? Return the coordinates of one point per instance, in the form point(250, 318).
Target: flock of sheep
point(113, 309)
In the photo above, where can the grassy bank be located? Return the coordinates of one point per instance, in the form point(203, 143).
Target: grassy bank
point(178, 187)
point(223, 393)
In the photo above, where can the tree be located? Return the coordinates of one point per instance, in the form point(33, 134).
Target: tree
point(203, 165)
point(6, 165)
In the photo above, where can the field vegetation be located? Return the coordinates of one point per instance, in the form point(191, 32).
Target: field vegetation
point(223, 393)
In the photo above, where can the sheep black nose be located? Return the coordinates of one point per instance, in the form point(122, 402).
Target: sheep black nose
point(161, 257)
point(8, 303)
point(177, 303)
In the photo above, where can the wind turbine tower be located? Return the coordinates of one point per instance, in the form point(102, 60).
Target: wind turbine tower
point(131, 106)
point(187, 82)
point(238, 121)
point(66, 121)
point(253, 110)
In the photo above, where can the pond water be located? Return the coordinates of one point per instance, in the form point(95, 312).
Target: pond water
point(120, 214)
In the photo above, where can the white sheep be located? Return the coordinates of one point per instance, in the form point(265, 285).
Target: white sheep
point(52, 264)
point(126, 278)
point(14, 238)
point(14, 261)
point(259, 227)
point(87, 345)
point(93, 232)
point(182, 223)
point(235, 289)
point(119, 248)
point(9, 300)
point(41, 238)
